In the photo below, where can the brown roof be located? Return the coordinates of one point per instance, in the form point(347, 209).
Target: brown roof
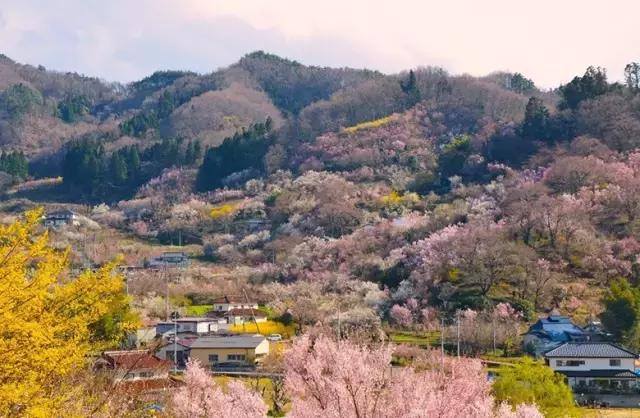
point(245, 312)
point(229, 299)
point(134, 360)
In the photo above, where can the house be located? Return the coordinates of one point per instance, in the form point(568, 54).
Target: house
point(192, 325)
point(60, 218)
point(236, 310)
point(168, 259)
point(550, 332)
point(227, 303)
point(135, 369)
point(595, 366)
point(238, 316)
point(180, 350)
point(231, 350)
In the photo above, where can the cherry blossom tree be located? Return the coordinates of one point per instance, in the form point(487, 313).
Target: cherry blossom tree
point(341, 379)
point(401, 315)
point(201, 398)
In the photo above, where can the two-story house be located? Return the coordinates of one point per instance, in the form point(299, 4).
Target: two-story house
point(235, 310)
point(594, 366)
point(227, 303)
point(60, 218)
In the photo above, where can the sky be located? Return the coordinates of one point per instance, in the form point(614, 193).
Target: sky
point(549, 41)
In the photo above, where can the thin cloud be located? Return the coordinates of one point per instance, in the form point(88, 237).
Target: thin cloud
point(120, 40)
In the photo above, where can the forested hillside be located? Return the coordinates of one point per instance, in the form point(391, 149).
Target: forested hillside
point(395, 196)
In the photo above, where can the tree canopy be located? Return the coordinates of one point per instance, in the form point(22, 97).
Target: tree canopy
point(50, 322)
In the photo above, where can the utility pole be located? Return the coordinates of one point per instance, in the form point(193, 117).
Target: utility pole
point(175, 341)
point(253, 315)
point(442, 343)
point(458, 331)
point(493, 325)
point(166, 289)
point(339, 328)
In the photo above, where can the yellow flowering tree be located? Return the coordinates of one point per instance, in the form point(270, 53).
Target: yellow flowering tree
point(49, 321)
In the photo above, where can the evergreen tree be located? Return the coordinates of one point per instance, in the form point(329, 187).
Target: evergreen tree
point(14, 163)
point(133, 161)
point(521, 84)
point(410, 88)
point(536, 120)
point(242, 151)
point(592, 84)
point(118, 169)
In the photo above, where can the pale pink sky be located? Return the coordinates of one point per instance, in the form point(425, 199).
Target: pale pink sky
point(548, 40)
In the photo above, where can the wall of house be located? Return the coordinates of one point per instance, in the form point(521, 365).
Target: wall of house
point(243, 319)
point(202, 354)
point(251, 355)
point(223, 307)
point(593, 364)
point(140, 374)
point(205, 327)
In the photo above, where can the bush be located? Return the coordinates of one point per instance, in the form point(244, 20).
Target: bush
point(265, 328)
point(532, 382)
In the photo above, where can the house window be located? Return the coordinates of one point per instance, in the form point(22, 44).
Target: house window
point(236, 357)
point(614, 362)
point(574, 363)
point(213, 358)
point(559, 363)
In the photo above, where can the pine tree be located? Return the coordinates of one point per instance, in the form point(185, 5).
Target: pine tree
point(118, 169)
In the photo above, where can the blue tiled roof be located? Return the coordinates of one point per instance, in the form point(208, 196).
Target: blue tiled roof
point(556, 328)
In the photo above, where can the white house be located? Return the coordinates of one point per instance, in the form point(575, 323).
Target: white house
point(169, 259)
point(193, 325)
point(227, 303)
point(594, 366)
point(240, 316)
point(61, 218)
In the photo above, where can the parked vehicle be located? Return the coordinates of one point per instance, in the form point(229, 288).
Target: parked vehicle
point(274, 337)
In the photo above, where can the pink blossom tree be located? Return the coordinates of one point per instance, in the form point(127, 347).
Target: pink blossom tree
point(401, 315)
point(201, 398)
point(341, 379)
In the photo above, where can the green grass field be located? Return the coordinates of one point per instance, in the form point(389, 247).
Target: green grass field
point(197, 310)
point(422, 339)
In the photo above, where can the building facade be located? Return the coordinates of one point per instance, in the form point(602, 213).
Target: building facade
point(233, 350)
point(595, 366)
point(60, 218)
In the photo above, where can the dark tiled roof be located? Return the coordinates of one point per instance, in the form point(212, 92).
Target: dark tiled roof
point(232, 341)
point(599, 373)
point(590, 350)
